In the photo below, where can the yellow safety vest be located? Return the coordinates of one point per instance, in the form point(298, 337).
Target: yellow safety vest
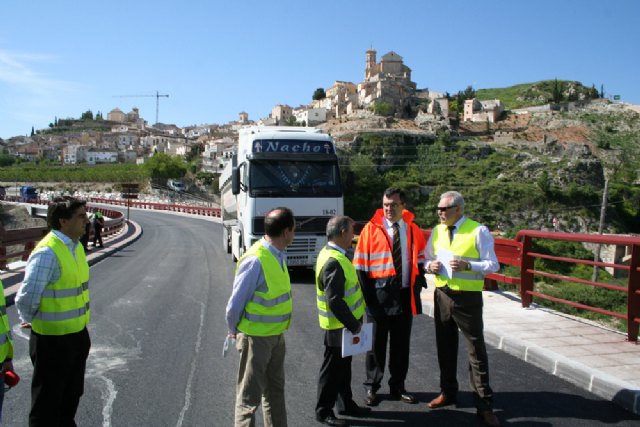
point(268, 313)
point(463, 246)
point(352, 292)
point(64, 305)
point(6, 343)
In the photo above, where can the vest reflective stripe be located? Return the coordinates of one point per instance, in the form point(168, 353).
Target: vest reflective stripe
point(373, 257)
point(352, 293)
point(65, 315)
point(463, 246)
point(347, 293)
point(64, 293)
point(64, 305)
point(268, 313)
point(270, 303)
point(329, 314)
point(267, 319)
point(6, 343)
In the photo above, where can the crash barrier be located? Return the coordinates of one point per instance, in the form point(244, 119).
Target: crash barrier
point(195, 210)
point(18, 244)
point(519, 253)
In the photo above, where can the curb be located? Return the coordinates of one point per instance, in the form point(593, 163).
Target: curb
point(593, 380)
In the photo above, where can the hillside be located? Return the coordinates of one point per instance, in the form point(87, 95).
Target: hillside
point(517, 173)
point(539, 93)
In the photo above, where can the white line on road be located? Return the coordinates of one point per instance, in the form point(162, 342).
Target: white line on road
point(187, 393)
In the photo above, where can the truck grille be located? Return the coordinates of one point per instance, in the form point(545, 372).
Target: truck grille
point(304, 224)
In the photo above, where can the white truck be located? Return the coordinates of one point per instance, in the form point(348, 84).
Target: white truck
point(295, 167)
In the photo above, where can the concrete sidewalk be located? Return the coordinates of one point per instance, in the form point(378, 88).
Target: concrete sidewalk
point(584, 353)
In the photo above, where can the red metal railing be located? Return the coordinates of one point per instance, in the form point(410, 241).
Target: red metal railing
point(18, 244)
point(519, 253)
point(195, 210)
point(528, 272)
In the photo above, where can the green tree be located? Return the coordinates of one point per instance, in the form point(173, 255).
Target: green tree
point(161, 167)
point(319, 94)
point(291, 121)
point(556, 93)
point(382, 108)
point(87, 115)
point(469, 92)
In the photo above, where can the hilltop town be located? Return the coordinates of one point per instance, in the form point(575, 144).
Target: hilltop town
point(387, 100)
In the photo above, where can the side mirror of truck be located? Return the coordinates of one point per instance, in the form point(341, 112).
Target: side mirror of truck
point(235, 180)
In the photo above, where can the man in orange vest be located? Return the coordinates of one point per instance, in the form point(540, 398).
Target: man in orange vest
point(467, 247)
point(389, 261)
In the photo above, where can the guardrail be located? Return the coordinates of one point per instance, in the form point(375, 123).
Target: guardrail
point(519, 253)
point(195, 210)
point(18, 244)
point(528, 272)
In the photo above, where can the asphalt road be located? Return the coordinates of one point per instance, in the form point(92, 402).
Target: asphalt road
point(157, 332)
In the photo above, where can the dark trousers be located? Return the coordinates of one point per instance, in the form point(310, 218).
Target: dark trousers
point(58, 377)
point(462, 310)
point(97, 235)
point(334, 384)
point(396, 330)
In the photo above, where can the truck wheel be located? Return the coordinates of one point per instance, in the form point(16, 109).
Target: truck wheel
point(226, 240)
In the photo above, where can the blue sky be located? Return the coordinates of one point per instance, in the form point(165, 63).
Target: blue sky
point(215, 58)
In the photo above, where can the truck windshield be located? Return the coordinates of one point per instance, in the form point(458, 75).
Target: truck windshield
point(294, 178)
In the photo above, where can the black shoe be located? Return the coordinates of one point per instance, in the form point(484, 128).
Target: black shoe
point(330, 420)
point(404, 396)
point(372, 398)
point(356, 411)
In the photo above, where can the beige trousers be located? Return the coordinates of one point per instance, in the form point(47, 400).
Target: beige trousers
point(260, 381)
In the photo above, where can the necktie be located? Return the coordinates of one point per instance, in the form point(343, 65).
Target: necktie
point(451, 229)
point(397, 253)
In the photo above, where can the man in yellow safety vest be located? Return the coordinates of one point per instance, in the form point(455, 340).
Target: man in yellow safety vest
point(340, 305)
point(258, 313)
point(467, 249)
point(53, 302)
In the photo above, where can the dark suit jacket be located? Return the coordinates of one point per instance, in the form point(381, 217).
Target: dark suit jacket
point(332, 282)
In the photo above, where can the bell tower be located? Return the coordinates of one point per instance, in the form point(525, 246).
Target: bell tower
point(371, 62)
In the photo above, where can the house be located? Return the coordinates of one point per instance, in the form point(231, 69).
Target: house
point(482, 111)
point(388, 81)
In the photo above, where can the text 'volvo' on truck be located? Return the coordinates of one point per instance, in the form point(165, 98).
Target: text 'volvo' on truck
point(294, 167)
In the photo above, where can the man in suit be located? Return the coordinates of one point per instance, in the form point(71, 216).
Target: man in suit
point(469, 248)
point(340, 305)
point(389, 260)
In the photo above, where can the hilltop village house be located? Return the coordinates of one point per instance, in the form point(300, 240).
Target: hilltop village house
point(130, 139)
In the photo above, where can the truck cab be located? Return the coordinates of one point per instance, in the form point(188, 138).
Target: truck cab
point(281, 166)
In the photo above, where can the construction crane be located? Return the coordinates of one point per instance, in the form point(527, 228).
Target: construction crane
point(157, 96)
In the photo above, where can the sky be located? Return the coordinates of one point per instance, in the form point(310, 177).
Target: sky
point(216, 58)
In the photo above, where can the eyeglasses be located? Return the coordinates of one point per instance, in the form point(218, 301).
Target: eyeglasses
point(445, 208)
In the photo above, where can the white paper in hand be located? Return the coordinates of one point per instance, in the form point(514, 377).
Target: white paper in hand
point(444, 256)
point(358, 343)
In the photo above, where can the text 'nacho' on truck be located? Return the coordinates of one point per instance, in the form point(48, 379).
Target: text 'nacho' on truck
point(295, 167)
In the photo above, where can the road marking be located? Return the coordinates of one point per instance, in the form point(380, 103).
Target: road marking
point(187, 393)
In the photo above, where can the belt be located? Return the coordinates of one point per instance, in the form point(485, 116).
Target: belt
point(447, 290)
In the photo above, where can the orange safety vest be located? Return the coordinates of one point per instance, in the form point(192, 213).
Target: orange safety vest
point(374, 250)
